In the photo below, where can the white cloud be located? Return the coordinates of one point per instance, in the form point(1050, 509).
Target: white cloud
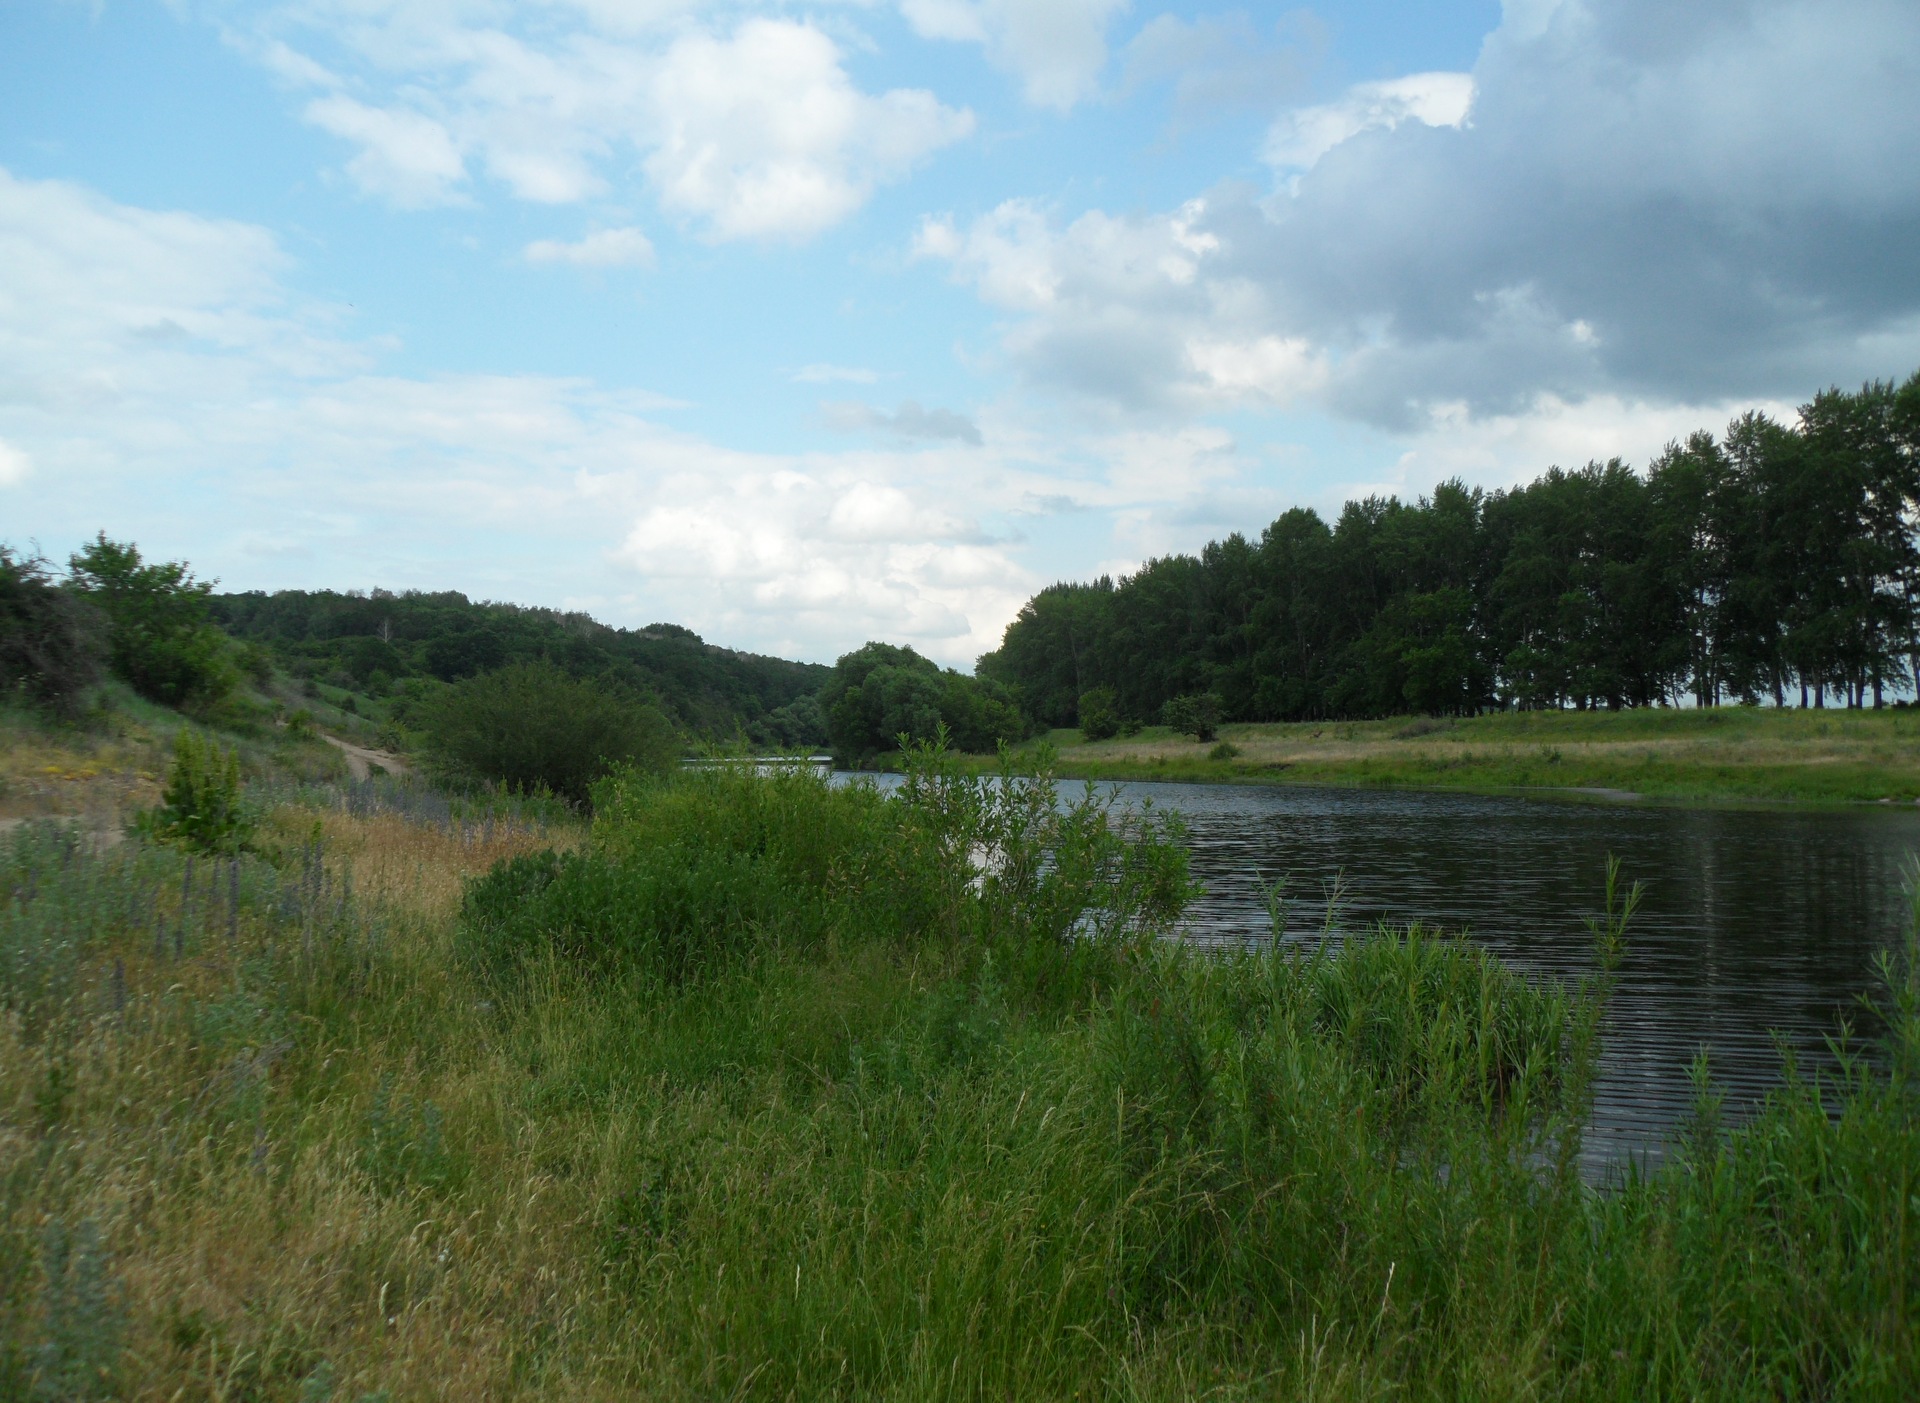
point(168, 387)
point(763, 134)
point(603, 248)
point(751, 131)
point(1300, 138)
point(1057, 48)
point(405, 156)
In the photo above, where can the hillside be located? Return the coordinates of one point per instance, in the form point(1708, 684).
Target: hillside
point(375, 644)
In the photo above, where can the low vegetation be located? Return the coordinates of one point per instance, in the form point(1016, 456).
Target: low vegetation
point(758, 1087)
point(1715, 754)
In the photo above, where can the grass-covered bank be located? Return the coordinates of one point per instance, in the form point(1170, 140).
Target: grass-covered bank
point(759, 1088)
point(1682, 755)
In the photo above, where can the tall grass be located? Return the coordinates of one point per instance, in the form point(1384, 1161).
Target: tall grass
point(771, 1089)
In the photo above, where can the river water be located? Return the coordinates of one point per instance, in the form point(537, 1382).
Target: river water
point(1756, 925)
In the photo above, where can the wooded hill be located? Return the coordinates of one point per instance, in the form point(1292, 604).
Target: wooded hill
point(1777, 562)
point(378, 641)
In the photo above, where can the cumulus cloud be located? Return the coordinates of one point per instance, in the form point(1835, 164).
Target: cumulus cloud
point(752, 131)
point(166, 385)
point(603, 248)
point(1679, 205)
point(1057, 48)
point(1301, 137)
point(764, 134)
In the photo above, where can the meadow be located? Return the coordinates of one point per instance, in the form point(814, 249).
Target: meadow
point(755, 1088)
point(1712, 754)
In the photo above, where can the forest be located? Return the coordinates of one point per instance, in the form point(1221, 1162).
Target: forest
point(1776, 563)
point(380, 640)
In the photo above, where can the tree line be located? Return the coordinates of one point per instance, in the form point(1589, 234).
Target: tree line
point(1777, 562)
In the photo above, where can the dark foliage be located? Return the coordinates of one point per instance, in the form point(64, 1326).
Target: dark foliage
point(50, 640)
point(160, 636)
point(1775, 558)
point(1197, 715)
point(880, 693)
point(1099, 714)
point(375, 641)
point(532, 727)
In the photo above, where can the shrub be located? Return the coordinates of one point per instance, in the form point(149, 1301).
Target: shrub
point(49, 640)
point(201, 808)
point(1197, 715)
point(532, 727)
point(1099, 714)
point(1225, 750)
point(159, 638)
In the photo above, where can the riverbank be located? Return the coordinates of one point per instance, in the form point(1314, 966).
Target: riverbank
point(1719, 755)
point(759, 1088)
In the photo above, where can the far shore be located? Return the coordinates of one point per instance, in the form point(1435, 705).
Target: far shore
point(1718, 755)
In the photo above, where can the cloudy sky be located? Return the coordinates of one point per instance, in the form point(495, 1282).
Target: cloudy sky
point(803, 324)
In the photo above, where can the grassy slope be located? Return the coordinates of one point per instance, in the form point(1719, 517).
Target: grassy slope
point(320, 1161)
point(1730, 753)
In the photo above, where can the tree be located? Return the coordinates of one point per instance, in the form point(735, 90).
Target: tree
point(530, 726)
point(159, 638)
point(881, 692)
point(1099, 714)
point(1197, 715)
point(50, 640)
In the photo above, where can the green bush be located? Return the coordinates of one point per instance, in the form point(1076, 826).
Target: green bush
point(532, 727)
point(201, 808)
point(160, 640)
point(1197, 715)
point(1225, 750)
point(1099, 714)
point(49, 640)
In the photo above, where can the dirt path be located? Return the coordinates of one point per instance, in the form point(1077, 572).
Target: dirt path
point(362, 762)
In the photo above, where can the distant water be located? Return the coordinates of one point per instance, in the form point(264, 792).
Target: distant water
point(1753, 921)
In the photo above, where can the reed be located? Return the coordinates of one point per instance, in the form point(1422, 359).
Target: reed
point(917, 1102)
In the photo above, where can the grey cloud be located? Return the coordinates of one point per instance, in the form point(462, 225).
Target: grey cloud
point(1678, 204)
point(909, 421)
point(1223, 61)
point(1724, 198)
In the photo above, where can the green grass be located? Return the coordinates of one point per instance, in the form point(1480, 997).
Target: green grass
point(1713, 755)
point(775, 1091)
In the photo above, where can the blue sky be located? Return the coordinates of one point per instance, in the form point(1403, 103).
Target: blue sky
point(808, 324)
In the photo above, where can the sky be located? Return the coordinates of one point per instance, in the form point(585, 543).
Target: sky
point(808, 324)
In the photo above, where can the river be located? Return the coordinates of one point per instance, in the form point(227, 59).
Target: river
point(1755, 923)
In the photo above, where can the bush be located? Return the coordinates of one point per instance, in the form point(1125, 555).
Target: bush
point(49, 640)
point(159, 639)
point(1197, 715)
point(532, 727)
point(1099, 714)
point(1225, 750)
point(200, 808)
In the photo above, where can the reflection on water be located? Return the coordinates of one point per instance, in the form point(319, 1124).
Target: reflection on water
point(1752, 921)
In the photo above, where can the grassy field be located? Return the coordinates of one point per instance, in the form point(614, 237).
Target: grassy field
point(1726, 753)
point(757, 1089)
